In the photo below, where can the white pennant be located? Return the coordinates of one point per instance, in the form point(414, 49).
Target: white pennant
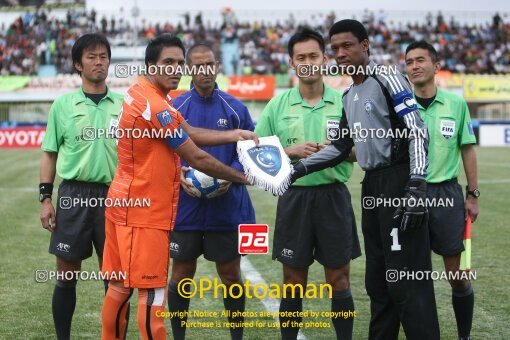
point(266, 166)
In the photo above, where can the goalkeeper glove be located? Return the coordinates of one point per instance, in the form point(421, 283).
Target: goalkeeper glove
point(413, 211)
point(298, 171)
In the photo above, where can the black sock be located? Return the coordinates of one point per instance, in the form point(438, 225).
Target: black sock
point(235, 305)
point(128, 309)
point(342, 302)
point(463, 301)
point(290, 305)
point(62, 306)
point(177, 303)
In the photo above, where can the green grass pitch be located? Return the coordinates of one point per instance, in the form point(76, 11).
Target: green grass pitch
point(26, 305)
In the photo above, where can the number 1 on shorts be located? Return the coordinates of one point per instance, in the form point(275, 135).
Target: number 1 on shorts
point(394, 234)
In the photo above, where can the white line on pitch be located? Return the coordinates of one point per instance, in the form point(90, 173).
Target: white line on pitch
point(254, 276)
point(502, 165)
point(494, 181)
point(20, 189)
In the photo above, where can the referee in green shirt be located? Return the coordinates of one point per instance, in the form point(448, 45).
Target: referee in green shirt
point(86, 164)
point(314, 219)
point(451, 137)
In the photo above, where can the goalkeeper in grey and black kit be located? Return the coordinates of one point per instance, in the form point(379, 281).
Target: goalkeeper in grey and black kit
point(396, 239)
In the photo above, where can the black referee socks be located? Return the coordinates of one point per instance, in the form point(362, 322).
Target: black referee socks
point(235, 305)
point(62, 306)
point(463, 301)
point(343, 305)
point(177, 303)
point(290, 305)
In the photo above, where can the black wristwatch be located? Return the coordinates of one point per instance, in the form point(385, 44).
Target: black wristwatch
point(45, 191)
point(42, 197)
point(475, 192)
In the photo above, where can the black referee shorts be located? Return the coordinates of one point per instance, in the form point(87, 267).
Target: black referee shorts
point(217, 246)
point(79, 226)
point(316, 223)
point(446, 223)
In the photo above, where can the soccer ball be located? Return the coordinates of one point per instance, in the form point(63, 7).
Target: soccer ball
point(204, 186)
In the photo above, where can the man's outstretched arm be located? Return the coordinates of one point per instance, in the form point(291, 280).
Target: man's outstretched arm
point(330, 156)
point(209, 137)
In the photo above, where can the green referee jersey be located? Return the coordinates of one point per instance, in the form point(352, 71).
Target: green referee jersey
point(450, 127)
point(290, 118)
point(73, 122)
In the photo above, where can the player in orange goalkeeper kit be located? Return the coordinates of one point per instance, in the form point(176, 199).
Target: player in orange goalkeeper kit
point(137, 236)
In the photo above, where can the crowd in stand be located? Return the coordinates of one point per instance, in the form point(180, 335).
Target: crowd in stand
point(37, 39)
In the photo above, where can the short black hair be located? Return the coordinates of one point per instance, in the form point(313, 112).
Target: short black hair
point(423, 45)
point(349, 25)
point(200, 48)
point(86, 41)
point(155, 46)
point(305, 34)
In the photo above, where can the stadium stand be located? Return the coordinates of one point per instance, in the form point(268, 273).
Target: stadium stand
point(37, 39)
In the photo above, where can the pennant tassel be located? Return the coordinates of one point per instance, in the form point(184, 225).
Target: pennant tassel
point(266, 166)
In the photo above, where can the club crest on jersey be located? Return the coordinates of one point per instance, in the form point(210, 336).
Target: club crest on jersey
point(368, 106)
point(333, 129)
point(447, 128)
point(165, 118)
point(267, 158)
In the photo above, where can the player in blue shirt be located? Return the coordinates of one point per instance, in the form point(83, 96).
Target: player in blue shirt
point(209, 226)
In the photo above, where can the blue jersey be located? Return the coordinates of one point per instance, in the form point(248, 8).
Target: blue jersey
point(221, 111)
